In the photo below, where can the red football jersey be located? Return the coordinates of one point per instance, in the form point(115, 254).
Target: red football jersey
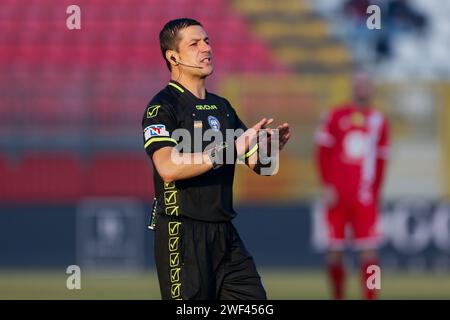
point(352, 148)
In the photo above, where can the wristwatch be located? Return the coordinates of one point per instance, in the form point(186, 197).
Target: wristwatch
point(215, 155)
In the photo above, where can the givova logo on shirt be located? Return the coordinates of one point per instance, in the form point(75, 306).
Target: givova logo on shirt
point(206, 107)
point(156, 130)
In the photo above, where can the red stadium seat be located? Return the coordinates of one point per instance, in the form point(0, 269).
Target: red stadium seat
point(46, 177)
point(120, 175)
point(5, 178)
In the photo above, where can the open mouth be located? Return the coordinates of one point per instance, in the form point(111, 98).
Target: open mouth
point(206, 60)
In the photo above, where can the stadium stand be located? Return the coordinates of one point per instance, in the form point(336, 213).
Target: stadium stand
point(122, 175)
point(73, 92)
point(420, 53)
point(43, 177)
point(61, 68)
point(298, 36)
point(64, 177)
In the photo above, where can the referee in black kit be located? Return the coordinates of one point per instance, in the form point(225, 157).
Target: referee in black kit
point(198, 252)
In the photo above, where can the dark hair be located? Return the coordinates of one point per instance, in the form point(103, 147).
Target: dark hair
point(168, 37)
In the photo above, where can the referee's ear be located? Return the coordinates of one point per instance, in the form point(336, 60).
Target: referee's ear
point(172, 57)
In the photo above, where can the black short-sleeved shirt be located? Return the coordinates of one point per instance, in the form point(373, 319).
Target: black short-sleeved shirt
point(207, 197)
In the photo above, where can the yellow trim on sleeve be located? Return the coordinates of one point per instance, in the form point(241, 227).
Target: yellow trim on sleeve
point(251, 151)
point(158, 139)
point(176, 86)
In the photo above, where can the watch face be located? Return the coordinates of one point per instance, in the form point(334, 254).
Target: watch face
point(214, 153)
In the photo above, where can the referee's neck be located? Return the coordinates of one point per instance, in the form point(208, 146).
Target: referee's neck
point(197, 86)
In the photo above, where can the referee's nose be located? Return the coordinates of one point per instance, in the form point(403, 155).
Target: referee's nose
point(205, 47)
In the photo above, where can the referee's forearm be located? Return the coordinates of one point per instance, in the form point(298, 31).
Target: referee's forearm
point(172, 165)
point(193, 165)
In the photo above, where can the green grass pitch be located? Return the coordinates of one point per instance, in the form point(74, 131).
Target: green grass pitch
point(289, 284)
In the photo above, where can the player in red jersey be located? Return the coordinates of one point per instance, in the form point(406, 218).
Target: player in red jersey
point(352, 148)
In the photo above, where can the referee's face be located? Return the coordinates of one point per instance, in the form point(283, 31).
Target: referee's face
point(362, 89)
point(194, 50)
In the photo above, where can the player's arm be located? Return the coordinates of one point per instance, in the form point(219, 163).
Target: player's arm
point(325, 142)
point(383, 147)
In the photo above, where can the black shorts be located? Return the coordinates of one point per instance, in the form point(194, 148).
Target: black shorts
point(198, 260)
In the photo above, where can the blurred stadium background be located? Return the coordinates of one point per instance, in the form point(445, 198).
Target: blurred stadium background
point(75, 183)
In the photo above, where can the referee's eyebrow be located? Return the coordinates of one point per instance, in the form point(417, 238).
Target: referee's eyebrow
point(198, 39)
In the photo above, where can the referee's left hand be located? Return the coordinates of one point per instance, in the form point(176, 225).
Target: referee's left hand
point(284, 133)
point(249, 138)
